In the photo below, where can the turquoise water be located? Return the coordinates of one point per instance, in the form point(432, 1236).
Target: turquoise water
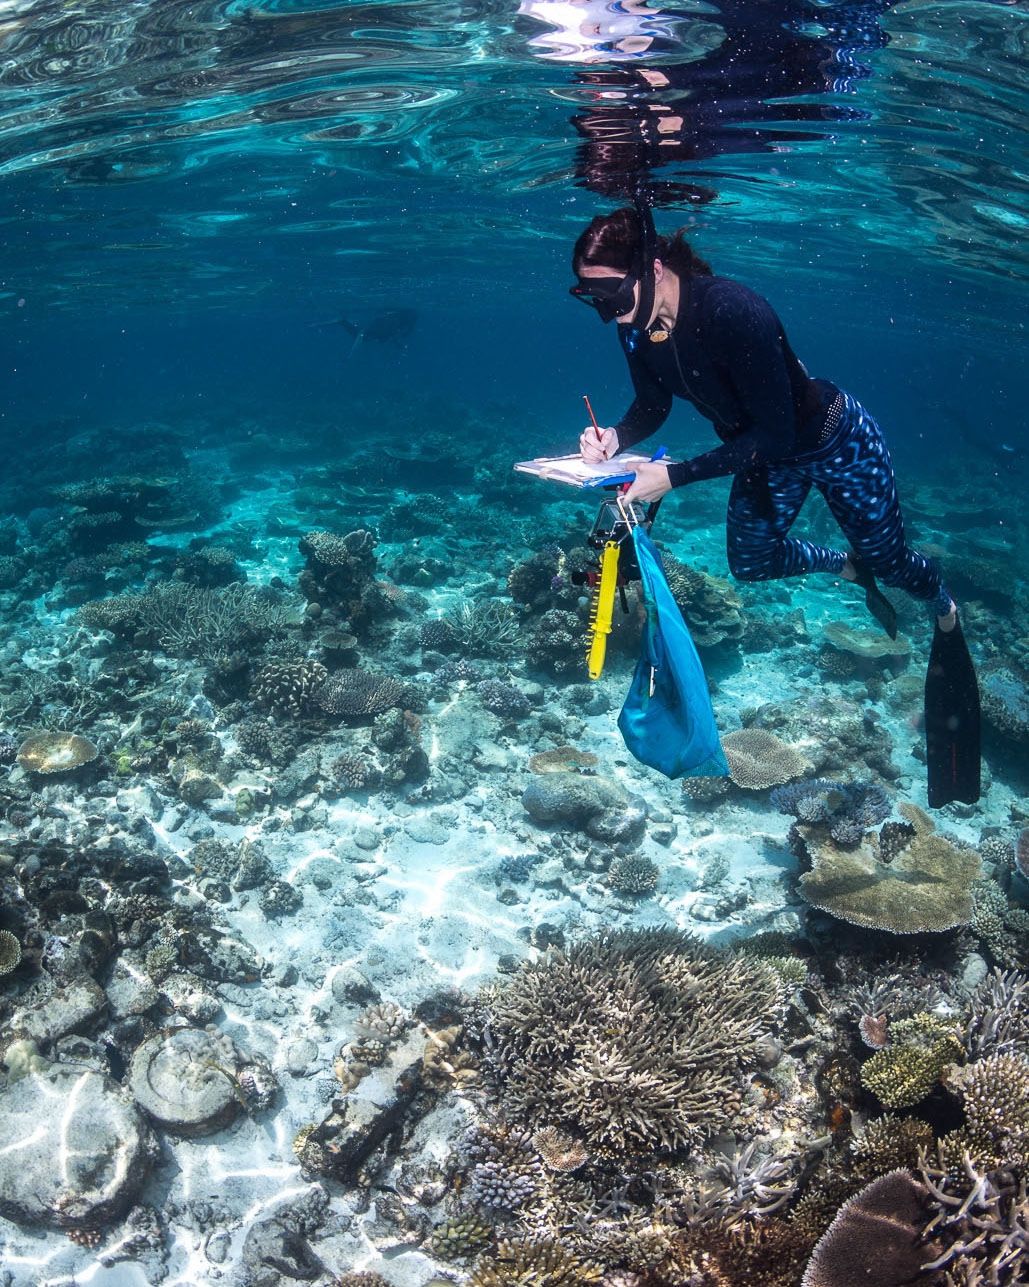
point(292, 277)
point(186, 187)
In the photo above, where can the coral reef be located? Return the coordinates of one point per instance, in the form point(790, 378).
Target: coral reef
point(711, 607)
point(926, 887)
point(908, 1068)
point(836, 733)
point(541, 1262)
point(339, 579)
point(353, 694)
point(758, 759)
point(57, 752)
point(632, 1041)
point(848, 809)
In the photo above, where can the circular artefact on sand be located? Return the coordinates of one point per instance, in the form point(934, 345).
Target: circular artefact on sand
point(56, 752)
point(77, 1150)
point(184, 1081)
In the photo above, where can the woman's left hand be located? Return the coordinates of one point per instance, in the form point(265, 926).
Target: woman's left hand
point(650, 484)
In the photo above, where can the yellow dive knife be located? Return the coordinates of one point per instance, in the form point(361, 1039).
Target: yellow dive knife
point(601, 610)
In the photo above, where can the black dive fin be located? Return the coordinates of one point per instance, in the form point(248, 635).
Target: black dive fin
point(875, 601)
point(952, 752)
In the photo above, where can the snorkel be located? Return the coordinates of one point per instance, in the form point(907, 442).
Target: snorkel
point(645, 272)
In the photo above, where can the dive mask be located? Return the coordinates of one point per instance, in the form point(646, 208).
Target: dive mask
point(611, 296)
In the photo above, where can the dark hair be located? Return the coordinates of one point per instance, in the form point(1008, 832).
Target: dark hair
point(614, 241)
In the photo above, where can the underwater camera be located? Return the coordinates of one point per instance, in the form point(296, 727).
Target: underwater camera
point(610, 526)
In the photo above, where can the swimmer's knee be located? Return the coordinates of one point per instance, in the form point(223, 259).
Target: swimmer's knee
point(741, 571)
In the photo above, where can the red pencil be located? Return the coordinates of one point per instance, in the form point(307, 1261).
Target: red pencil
point(596, 427)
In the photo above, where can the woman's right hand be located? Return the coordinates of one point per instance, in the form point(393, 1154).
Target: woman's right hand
point(594, 449)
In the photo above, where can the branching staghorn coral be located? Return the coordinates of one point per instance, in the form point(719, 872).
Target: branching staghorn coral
point(632, 1041)
point(982, 1217)
point(482, 627)
point(744, 1184)
point(191, 621)
point(998, 1015)
point(533, 1262)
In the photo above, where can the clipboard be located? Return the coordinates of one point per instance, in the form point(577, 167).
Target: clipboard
point(576, 472)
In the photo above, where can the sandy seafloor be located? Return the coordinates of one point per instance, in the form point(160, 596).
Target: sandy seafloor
point(407, 894)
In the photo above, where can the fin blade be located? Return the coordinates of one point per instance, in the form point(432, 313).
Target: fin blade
point(952, 722)
point(882, 609)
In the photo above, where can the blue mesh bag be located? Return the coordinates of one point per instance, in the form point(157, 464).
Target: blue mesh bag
point(667, 720)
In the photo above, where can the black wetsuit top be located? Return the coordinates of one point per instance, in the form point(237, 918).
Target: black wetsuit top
point(727, 354)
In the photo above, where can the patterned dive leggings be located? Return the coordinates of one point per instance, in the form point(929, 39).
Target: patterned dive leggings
point(854, 473)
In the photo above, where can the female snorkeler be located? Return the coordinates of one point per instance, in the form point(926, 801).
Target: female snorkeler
point(714, 342)
point(687, 333)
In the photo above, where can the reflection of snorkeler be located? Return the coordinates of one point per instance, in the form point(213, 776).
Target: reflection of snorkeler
point(587, 31)
point(740, 96)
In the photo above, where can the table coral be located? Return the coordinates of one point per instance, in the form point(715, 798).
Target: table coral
point(353, 693)
point(925, 887)
point(57, 752)
point(876, 1237)
point(865, 644)
point(758, 759)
